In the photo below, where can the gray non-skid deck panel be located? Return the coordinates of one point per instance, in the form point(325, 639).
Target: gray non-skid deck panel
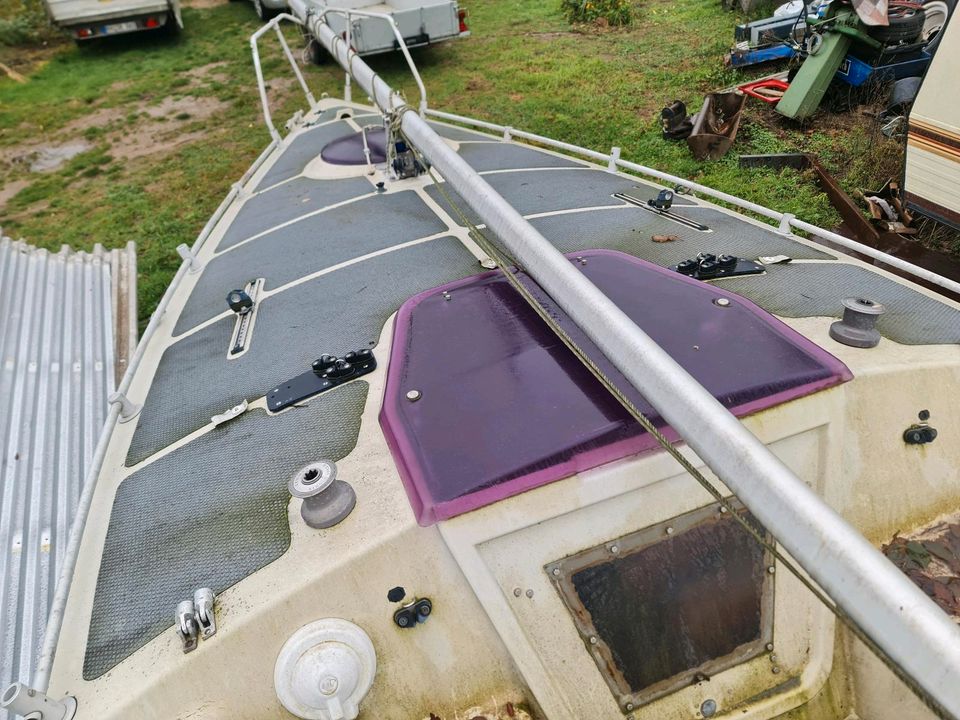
point(304, 247)
point(507, 156)
point(459, 134)
point(817, 290)
point(289, 201)
point(539, 191)
point(334, 313)
point(302, 149)
point(207, 515)
point(630, 229)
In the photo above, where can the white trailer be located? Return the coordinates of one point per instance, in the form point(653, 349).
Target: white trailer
point(365, 24)
point(87, 20)
point(932, 172)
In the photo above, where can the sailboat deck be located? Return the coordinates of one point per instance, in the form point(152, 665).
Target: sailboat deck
point(205, 504)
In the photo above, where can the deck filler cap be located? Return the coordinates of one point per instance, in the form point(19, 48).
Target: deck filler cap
point(504, 407)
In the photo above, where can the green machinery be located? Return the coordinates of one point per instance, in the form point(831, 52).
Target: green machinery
point(826, 47)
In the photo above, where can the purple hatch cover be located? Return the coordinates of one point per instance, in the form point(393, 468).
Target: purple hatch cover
point(348, 150)
point(504, 407)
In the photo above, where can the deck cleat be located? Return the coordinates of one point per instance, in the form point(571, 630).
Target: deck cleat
point(688, 267)
point(322, 364)
point(413, 613)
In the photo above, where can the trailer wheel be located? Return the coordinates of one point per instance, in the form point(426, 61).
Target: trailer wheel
point(936, 14)
point(171, 28)
point(263, 12)
point(317, 53)
point(905, 26)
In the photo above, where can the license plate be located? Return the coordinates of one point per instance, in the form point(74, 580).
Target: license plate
point(119, 28)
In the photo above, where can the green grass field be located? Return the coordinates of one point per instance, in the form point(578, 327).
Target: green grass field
point(172, 123)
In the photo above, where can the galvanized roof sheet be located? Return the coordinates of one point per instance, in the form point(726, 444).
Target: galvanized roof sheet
point(58, 349)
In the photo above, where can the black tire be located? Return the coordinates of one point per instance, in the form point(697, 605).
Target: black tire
point(171, 28)
point(263, 12)
point(317, 53)
point(904, 27)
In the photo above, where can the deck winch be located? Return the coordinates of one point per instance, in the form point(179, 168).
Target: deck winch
point(326, 500)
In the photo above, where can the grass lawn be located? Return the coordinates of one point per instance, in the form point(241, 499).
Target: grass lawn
point(167, 125)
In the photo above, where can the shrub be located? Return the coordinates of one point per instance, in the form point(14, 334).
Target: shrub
point(24, 23)
point(601, 12)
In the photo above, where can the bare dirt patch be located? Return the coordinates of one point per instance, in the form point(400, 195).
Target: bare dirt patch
point(132, 132)
point(161, 127)
point(146, 143)
point(197, 108)
point(41, 157)
point(97, 119)
point(157, 127)
point(51, 157)
point(210, 71)
point(11, 188)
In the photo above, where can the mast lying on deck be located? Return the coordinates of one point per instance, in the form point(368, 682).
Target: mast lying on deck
point(900, 619)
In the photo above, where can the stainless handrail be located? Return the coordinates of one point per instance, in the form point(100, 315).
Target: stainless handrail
point(322, 14)
point(785, 221)
point(907, 626)
point(274, 24)
point(349, 13)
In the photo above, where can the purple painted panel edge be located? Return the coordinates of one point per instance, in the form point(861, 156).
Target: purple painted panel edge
point(401, 449)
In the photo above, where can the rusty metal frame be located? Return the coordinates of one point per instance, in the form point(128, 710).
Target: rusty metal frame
point(561, 574)
point(861, 228)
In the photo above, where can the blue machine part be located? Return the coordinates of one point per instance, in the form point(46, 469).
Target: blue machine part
point(856, 72)
point(853, 70)
point(755, 56)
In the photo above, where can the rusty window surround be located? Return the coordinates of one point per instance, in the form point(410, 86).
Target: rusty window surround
point(625, 546)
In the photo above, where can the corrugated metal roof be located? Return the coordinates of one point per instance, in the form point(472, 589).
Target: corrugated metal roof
point(57, 348)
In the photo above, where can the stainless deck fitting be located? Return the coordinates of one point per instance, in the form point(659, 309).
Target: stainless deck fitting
point(128, 409)
point(186, 625)
point(206, 619)
point(18, 699)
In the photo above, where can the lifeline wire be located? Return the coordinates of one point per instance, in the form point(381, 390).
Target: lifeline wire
point(503, 262)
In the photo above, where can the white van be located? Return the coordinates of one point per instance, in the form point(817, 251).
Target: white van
point(88, 20)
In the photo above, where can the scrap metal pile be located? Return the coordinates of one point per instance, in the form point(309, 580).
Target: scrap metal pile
point(865, 48)
point(859, 44)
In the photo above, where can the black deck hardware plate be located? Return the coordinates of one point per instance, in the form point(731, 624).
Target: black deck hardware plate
point(743, 267)
point(311, 383)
